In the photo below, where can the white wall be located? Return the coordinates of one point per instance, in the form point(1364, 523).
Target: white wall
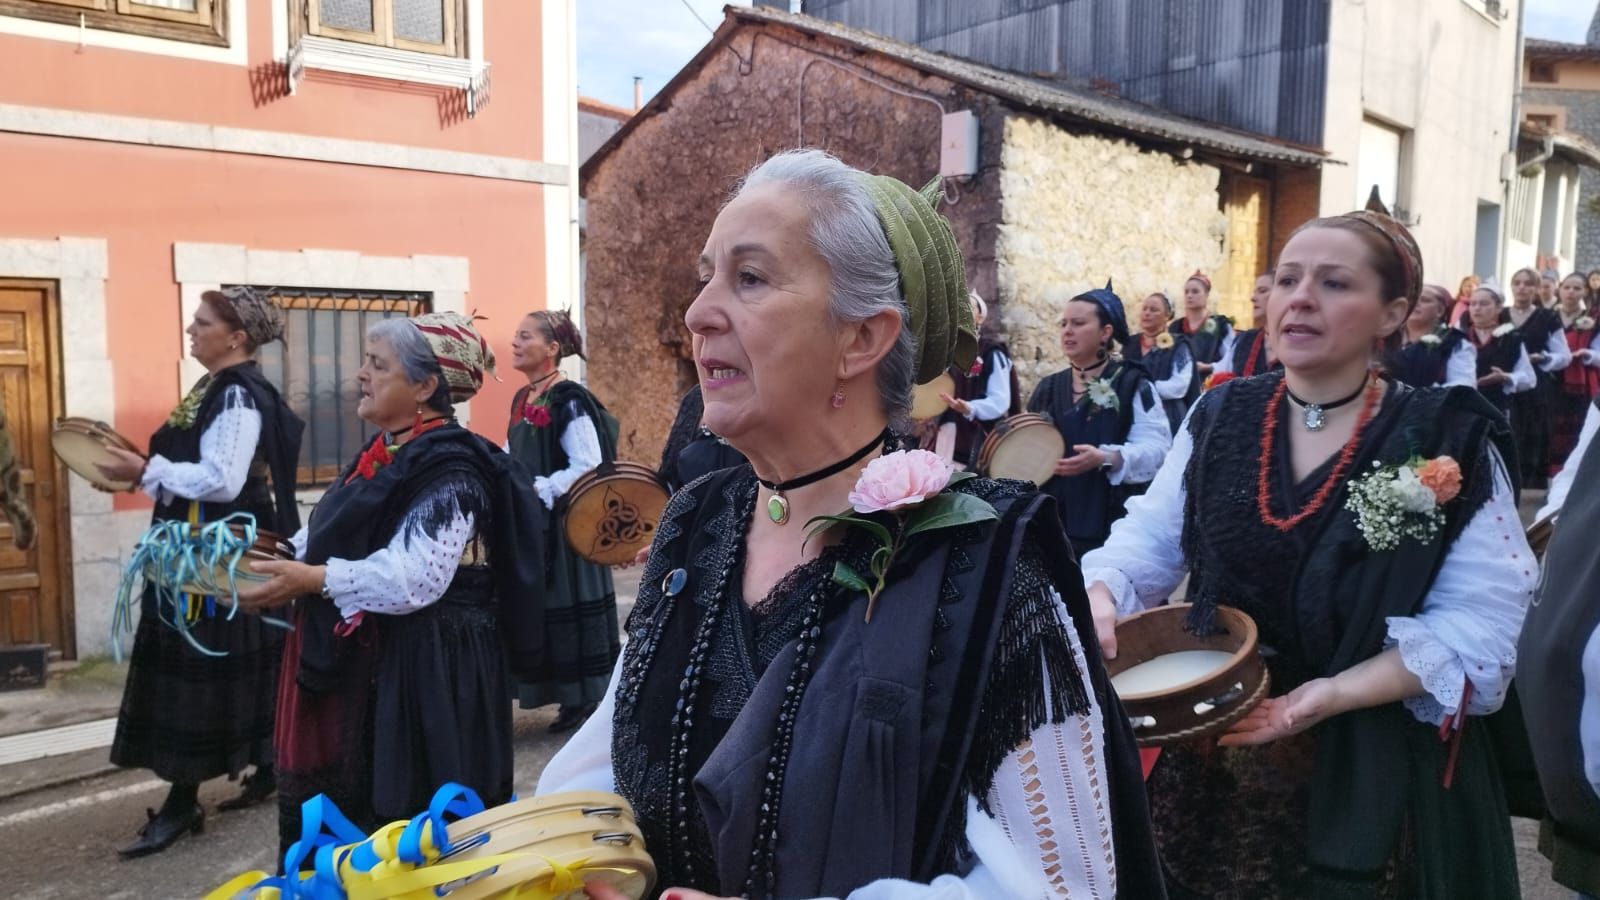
point(1444, 71)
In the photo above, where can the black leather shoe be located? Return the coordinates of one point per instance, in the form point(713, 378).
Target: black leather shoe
point(258, 786)
point(571, 717)
point(163, 831)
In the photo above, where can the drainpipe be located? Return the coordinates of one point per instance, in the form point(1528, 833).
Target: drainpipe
point(1507, 183)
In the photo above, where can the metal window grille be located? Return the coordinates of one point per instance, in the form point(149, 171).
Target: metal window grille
point(315, 367)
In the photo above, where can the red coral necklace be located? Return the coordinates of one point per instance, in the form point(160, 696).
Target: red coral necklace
point(381, 453)
point(1347, 455)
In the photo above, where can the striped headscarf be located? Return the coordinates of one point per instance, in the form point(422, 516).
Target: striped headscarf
point(462, 353)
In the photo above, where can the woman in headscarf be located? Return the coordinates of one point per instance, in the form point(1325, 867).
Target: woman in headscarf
point(1106, 410)
point(561, 431)
point(1503, 366)
point(772, 740)
point(231, 446)
point(1370, 530)
point(1165, 358)
point(1580, 381)
point(985, 394)
point(1208, 334)
point(1538, 329)
point(418, 584)
point(1248, 352)
point(1432, 353)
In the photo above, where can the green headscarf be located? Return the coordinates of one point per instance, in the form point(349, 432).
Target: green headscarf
point(932, 276)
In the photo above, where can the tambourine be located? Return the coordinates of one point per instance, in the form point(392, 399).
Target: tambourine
point(211, 569)
point(582, 836)
point(925, 400)
point(611, 512)
point(1540, 532)
point(1178, 687)
point(1025, 447)
point(81, 443)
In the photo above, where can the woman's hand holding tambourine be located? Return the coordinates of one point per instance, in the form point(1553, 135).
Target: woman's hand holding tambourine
point(125, 466)
point(1104, 609)
point(961, 407)
point(289, 580)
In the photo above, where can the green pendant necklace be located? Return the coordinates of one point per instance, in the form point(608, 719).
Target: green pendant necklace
point(778, 504)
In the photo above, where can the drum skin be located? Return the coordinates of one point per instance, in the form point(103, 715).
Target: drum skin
point(1201, 708)
point(611, 513)
point(80, 443)
point(925, 400)
point(1024, 447)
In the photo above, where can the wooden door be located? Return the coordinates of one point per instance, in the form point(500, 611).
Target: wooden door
point(1248, 204)
point(35, 594)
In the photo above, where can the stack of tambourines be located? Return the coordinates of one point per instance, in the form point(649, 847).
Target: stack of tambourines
point(545, 847)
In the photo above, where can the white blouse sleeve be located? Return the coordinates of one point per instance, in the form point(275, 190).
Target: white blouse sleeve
point(1522, 377)
point(996, 399)
point(226, 448)
point(1462, 367)
point(1468, 625)
point(1050, 835)
point(582, 445)
point(1557, 354)
point(1149, 439)
point(298, 542)
point(1177, 385)
point(1142, 562)
point(1225, 363)
point(1561, 485)
point(1594, 350)
point(412, 572)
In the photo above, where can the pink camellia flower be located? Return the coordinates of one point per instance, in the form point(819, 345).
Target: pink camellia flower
point(902, 478)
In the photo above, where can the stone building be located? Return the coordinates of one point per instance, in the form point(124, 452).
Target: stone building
point(1068, 187)
point(1561, 95)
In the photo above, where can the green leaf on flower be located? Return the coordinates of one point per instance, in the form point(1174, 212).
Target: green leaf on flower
point(949, 511)
point(827, 522)
point(958, 477)
point(880, 561)
point(845, 576)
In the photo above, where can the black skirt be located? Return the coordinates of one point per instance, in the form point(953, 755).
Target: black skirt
point(189, 717)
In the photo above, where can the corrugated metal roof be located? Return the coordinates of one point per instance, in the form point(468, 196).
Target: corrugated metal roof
point(1536, 48)
point(1050, 97)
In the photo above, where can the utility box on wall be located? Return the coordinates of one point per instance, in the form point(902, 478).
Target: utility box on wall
point(958, 144)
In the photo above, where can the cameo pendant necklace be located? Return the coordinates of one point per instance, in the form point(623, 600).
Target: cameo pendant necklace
point(1315, 415)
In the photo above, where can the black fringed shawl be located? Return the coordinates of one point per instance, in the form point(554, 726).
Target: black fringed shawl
point(894, 724)
point(1322, 597)
point(359, 517)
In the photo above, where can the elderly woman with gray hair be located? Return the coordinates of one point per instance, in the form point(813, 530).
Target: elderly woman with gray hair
point(416, 585)
point(895, 706)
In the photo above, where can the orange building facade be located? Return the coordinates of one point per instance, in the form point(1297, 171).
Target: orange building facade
point(358, 158)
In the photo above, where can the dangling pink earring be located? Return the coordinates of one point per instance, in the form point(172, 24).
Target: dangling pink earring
point(838, 396)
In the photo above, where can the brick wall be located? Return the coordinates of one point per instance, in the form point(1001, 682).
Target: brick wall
point(652, 201)
point(1296, 197)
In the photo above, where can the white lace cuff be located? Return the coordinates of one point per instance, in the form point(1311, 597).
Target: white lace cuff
point(1444, 673)
point(547, 491)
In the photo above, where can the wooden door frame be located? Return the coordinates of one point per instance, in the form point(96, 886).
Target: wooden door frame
point(66, 609)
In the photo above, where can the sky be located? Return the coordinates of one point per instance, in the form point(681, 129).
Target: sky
point(618, 39)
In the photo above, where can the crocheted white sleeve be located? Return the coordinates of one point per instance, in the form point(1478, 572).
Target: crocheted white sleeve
point(582, 445)
point(1468, 625)
point(413, 571)
point(226, 448)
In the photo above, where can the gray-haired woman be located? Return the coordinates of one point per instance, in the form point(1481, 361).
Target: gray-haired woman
point(415, 580)
point(772, 739)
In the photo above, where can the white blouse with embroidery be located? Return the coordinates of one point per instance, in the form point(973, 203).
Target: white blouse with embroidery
point(227, 446)
point(1050, 835)
point(581, 443)
point(1466, 629)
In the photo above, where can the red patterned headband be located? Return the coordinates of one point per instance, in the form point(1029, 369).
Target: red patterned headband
point(1405, 247)
point(1201, 277)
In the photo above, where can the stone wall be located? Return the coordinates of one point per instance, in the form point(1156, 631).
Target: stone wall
point(652, 200)
point(1583, 117)
point(1078, 208)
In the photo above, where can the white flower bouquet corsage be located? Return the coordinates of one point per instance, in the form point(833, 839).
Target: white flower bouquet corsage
point(1395, 502)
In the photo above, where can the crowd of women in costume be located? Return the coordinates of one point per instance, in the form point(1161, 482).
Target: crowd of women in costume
point(781, 726)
